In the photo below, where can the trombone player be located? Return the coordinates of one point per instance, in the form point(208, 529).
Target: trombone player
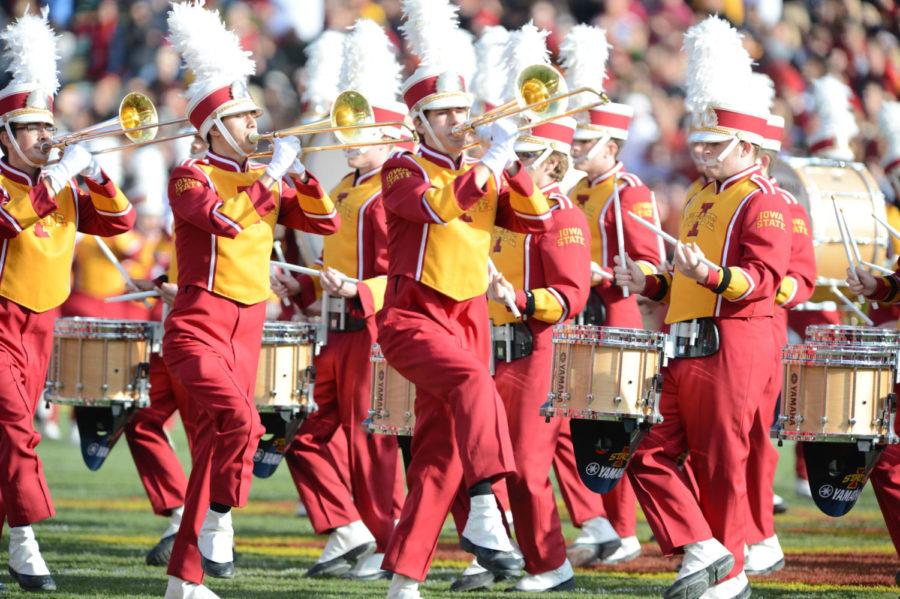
point(40, 211)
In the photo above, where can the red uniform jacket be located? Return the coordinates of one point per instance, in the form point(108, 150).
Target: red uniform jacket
point(798, 284)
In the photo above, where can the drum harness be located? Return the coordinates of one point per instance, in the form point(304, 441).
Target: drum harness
point(697, 338)
point(341, 316)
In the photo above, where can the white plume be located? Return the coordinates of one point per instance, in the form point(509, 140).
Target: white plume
point(208, 48)
point(889, 125)
point(430, 32)
point(525, 47)
point(464, 55)
point(836, 119)
point(369, 63)
point(719, 69)
point(490, 76)
point(322, 72)
point(31, 52)
point(763, 90)
point(584, 53)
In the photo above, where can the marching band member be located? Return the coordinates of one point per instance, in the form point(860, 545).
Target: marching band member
point(721, 322)
point(553, 268)
point(359, 518)
point(225, 209)
point(764, 554)
point(609, 533)
point(441, 211)
point(40, 212)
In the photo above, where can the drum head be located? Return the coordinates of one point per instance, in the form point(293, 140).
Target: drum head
point(837, 474)
point(99, 428)
point(603, 449)
point(279, 434)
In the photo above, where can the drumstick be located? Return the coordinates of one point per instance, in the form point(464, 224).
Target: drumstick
point(847, 250)
point(115, 262)
point(894, 232)
point(669, 239)
point(509, 301)
point(656, 221)
point(595, 268)
point(853, 308)
point(280, 255)
point(308, 271)
point(130, 297)
point(881, 269)
point(620, 235)
point(853, 245)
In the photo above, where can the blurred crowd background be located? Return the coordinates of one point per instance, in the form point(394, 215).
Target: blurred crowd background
point(111, 47)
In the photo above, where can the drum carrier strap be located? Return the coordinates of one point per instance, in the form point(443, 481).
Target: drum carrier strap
point(343, 315)
point(512, 341)
point(696, 338)
point(594, 312)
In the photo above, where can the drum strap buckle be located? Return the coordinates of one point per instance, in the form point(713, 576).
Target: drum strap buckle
point(696, 338)
point(511, 341)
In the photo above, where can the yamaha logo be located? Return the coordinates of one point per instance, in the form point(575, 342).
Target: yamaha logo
point(826, 491)
point(592, 469)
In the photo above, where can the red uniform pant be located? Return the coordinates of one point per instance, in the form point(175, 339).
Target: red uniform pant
point(158, 467)
point(26, 341)
point(708, 405)
point(211, 347)
point(461, 434)
point(523, 384)
point(885, 479)
point(342, 392)
point(619, 506)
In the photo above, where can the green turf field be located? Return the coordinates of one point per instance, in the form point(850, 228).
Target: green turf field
point(95, 544)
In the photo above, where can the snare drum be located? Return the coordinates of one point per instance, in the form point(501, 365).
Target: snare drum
point(393, 399)
point(838, 393)
point(98, 362)
point(814, 182)
point(285, 375)
point(836, 334)
point(605, 373)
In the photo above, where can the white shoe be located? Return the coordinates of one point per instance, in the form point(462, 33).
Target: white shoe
point(344, 539)
point(182, 589)
point(484, 528)
point(24, 552)
point(301, 510)
point(50, 430)
point(705, 562)
point(779, 505)
point(74, 435)
point(801, 488)
point(216, 538)
point(733, 588)
point(174, 522)
point(627, 551)
point(403, 587)
point(368, 568)
point(596, 541)
point(561, 579)
point(596, 531)
point(764, 557)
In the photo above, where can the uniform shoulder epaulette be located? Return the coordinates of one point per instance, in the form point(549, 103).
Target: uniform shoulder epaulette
point(630, 180)
point(562, 201)
point(764, 184)
point(398, 153)
point(788, 196)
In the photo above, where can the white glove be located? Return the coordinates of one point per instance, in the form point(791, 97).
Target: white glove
point(297, 168)
point(502, 135)
point(284, 154)
point(93, 171)
point(75, 159)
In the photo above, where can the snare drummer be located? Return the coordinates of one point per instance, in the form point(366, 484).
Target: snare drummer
point(225, 209)
point(359, 518)
point(609, 529)
point(40, 212)
point(721, 322)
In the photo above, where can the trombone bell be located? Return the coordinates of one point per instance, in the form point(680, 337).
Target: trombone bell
point(351, 109)
point(137, 112)
point(541, 87)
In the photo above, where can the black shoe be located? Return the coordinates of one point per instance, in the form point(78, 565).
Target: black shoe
point(694, 585)
point(584, 554)
point(500, 563)
point(161, 552)
point(342, 564)
point(897, 578)
point(473, 582)
point(217, 569)
point(34, 584)
point(780, 508)
point(566, 585)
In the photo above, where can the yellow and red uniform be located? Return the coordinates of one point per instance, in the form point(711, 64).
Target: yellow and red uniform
point(594, 196)
point(344, 378)
point(37, 231)
point(224, 225)
point(434, 330)
point(708, 403)
point(554, 268)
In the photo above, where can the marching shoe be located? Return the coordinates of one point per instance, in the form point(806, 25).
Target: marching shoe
point(897, 578)
point(561, 579)
point(368, 568)
point(801, 488)
point(346, 545)
point(162, 551)
point(26, 565)
point(733, 588)
point(704, 564)
point(596, 541)
point(629, 550)
point(216, 545)
point(403, 587)
point(485, 537)
point(182, 589)
point(779, 505)
point(764, 557)
point(474, 578)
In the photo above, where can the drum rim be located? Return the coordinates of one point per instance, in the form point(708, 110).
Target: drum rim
point(66, 327)
point(838, 354)
point(615, 335)
point(816, 332)
point(288, 333)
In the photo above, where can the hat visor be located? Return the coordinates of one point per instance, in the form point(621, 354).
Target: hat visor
point(588, 134)
point(708, 137)
point(242, 106)
point(30, 116)
point(446, 100)
point(529, 146)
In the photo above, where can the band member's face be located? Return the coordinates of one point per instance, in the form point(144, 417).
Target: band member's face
point(541, 174)
point(367, 158)
point(603, 159)
point(31, 137)
point(442, 123)
point(198, 147)
point(740, 158)
point(240, 126)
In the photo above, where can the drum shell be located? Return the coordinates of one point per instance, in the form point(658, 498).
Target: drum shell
point(393, 399)
point(284, 376)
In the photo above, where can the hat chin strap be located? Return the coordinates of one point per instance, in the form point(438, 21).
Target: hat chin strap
point(728, 150)
point(430, 131)
point(601, 141)
point(16, 148)
point(228, 137)
point(543, 157)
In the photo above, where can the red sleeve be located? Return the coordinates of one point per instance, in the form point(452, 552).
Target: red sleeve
point(193, 200)
point(887, 289)
point(292, 215)
point(522, 186)
point(640, 243)
point(802, 267)
point(93, 221)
